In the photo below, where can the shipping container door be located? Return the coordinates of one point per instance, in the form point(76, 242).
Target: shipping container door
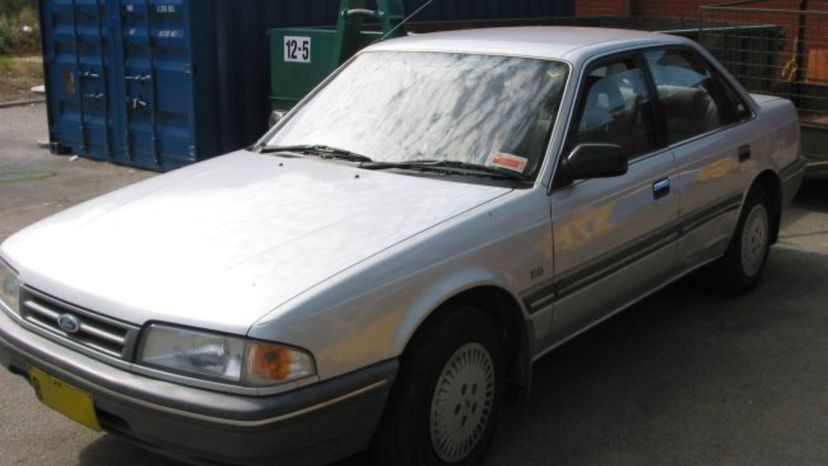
point(77, 62)
point(155, 115)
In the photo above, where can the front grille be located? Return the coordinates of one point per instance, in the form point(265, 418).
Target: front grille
point(99, 333)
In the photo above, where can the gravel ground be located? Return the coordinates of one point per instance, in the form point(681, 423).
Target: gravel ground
point(685, 377)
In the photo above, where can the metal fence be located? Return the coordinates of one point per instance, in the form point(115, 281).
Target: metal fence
point(789, 57)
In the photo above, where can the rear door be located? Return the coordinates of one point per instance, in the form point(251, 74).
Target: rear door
point(614, 238)
point(705, 124)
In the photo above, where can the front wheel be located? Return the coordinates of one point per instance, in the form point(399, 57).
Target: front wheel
point(744, 261)
point(443, 406)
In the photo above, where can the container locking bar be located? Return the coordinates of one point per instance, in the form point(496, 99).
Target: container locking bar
point(135, 102)
point(95, 96)
point(139, 77)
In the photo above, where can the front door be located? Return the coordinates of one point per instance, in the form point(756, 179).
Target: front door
point(614, 238)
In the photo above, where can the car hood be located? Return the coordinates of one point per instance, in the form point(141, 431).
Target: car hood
point(222, 243)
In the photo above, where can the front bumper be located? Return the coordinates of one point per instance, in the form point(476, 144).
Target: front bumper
point(307, 426)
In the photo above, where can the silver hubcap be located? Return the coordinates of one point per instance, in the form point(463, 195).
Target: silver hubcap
point(754, 239)
point(462, 403)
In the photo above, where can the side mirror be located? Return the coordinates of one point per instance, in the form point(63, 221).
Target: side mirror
point(275, 117)
point(595, 161)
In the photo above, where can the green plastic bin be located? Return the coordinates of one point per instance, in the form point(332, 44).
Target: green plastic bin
point(301, 58)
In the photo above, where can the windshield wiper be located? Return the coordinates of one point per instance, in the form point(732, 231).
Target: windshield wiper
point(318, 150)
point(453, 166)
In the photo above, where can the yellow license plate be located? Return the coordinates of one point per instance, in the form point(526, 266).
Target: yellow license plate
point(66, 399)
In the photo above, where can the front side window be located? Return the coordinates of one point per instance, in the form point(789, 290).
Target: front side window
point(615, 108)
point(694, 97)
point(414, 106)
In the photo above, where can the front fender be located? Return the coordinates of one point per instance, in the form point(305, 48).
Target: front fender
point(441, 290)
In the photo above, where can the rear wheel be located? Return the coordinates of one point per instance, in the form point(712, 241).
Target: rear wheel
point(744, 261)
point(443, 406)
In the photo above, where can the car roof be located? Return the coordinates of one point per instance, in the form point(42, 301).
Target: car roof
point(572, 44)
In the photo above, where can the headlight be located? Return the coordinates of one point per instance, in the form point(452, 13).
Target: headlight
point(225, 358)
point(9, 288)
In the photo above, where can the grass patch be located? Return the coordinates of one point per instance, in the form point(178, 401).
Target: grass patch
point(18, 75)
point(19, 27)
point(20, 62)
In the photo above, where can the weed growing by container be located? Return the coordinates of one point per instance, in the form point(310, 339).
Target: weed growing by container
point(19, 27)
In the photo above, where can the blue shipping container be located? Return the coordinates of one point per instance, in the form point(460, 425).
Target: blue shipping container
point(158, 83)
point(163, 83)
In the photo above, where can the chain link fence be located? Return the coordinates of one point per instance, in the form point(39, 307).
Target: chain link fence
point(777, 47)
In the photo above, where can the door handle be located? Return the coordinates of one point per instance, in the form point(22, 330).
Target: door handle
point(94, 96)
point(136, 102)
point(744, 152)
point(661, 188)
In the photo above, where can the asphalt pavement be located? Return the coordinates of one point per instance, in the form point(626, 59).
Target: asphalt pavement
point(686, 377)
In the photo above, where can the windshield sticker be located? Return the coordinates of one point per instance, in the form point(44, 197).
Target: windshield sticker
point(508, 161)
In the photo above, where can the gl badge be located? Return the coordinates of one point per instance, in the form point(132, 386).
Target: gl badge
point(68, 323)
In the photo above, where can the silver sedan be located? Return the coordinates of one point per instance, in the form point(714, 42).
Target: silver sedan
point(383, 268)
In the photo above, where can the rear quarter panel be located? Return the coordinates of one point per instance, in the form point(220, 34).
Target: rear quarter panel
point(777, 142)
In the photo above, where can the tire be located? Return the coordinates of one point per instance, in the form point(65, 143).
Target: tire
point(740, 269)
point(460, 351)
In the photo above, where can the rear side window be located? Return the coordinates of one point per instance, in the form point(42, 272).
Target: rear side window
point(695, 98)
point(615, 108)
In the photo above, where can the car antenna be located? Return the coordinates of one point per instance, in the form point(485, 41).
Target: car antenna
point(405, 20)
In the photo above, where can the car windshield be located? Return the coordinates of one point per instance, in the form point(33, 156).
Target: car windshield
point(408, 107)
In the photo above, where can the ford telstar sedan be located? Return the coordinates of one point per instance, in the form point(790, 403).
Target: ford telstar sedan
point(384, 266)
